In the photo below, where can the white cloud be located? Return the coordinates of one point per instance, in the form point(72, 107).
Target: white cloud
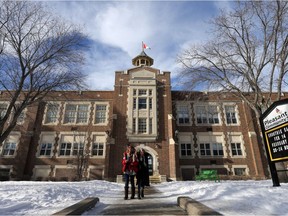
point(120, 27)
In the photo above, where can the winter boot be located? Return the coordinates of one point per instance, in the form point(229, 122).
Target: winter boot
point(126, 193)
point(142, 192)
point(133, 193)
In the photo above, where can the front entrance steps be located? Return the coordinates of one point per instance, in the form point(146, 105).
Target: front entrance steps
point(155, 179)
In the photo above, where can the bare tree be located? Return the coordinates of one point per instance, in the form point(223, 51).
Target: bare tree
point(40, 53)
point(247, 53)
point(81, 162)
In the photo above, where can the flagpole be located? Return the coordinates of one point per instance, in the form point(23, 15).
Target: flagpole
point(142, 47)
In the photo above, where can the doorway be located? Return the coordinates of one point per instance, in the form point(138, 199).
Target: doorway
point(150, 163)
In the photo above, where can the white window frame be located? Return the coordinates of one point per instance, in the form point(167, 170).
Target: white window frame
point(44, 122)
point(241, 167)
point(210, 138)
point(103, 140)
point(186, 149)
point(13, 135)
point(186, 138)
point(21, 118)
point(142, 126)
point(207, 114)
point(236, 137)
point(51, 134)
point(236, 114)
point(74, 137)
point(3, 112)
point(77, 104)
point(178, 108)
point(106, 114)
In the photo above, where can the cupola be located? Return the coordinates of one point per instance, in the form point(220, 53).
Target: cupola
point(142, 60)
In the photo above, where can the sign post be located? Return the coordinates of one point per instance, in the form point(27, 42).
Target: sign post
point(274, 125)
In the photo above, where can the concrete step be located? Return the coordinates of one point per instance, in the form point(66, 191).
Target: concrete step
point(155, 179)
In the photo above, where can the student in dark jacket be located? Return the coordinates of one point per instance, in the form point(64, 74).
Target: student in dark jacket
point(143, 173)
point(129, 169)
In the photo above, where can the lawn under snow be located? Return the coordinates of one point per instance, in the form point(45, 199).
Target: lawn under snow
point(226, 197)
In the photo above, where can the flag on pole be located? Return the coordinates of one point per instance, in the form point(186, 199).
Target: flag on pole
point(144, 46)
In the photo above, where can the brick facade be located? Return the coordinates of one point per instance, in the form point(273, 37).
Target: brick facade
point(173, 127)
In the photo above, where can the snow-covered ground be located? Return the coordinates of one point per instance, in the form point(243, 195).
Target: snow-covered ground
point(226, 197)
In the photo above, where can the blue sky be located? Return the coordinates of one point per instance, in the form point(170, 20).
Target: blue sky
point(117, 28)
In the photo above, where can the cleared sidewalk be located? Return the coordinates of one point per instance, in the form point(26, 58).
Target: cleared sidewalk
point(149, 205)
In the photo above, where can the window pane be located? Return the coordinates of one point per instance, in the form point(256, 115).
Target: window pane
point(142, 92)
point(101, 114)
point(240, 171)
point(82, 115)
point(142, 127)
point(3, 108)
point(52, 112)
point(9, 149)
point(183, 114)
point(142, 103)
point(70, 113)
point(98, 149)
point(230, 114)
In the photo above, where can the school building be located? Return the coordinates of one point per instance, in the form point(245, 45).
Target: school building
point(87, 132)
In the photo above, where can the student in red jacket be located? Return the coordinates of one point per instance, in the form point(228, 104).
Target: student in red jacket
point(129, 168)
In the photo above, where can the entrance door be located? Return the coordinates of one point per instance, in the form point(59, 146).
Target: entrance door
point(150, 163)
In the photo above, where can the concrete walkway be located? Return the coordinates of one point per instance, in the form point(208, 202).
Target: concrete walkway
point(149, 205)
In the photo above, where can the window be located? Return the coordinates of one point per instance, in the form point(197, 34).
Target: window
point(230, 115)
point(186, 149)
point(205, 149)
point(51, 113)
point(98, 149)
point(142, 92)
point(101, 111)
point(134, 125)
point(142, 113)
point(142, 126)
point(3, 108)
point(98, 145)
point(134, 103)
point(71, 145)
point(78, 149)
point(150, 92)
point(150, 125)
point(82, 114)
point(76, 113)
point(236, 149)
point(9, 149)
point(150, 103)
point(217, 149)
point(142, 103)
point(65, 149)
point(47, 141)
point(201, 115)
point(207, 114)
point(45, 149)
point(9, 146)
point(183, 115)
point(240, 171)
point(213, 115)
point(21, 117)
